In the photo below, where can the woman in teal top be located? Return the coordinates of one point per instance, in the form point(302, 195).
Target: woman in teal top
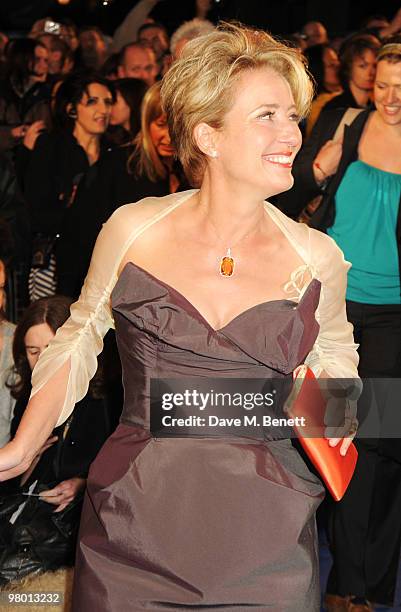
point(359, 178)
point(365, 533)
point(367, 203)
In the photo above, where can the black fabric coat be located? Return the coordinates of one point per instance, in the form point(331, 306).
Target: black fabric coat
point(53, 172)
point(14, 213)
point(343, 100)
point(106, 186)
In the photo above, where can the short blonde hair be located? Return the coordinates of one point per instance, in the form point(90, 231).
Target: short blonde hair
point(199, 86)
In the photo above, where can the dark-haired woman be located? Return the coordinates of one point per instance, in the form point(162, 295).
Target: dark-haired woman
point(59, 471)
point(24, 95)
point(125, 174)
point(125, 118)
point(357, 72)
point(57, 164)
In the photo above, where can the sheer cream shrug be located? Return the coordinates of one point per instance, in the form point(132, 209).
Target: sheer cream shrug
point(80, 339)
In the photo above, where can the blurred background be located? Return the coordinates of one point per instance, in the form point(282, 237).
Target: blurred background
point(279, 16)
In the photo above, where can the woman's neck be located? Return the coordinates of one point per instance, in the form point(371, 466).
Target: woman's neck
point(387, 130)
point(362, 96)
point(231, 213)
point(89, 142)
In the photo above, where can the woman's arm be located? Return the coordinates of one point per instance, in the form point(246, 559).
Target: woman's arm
point(334, 358)
point(335, 351)
point(61, 377)
point(308, 178)
point(127, 31)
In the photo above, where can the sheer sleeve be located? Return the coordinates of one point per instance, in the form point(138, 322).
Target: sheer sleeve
point(80, 339)
point(334, 351)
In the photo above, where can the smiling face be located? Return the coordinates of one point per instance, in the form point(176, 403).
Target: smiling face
point(36, 339)
point(160, 137)
point(260, 135)
point(94, 109)
point(387, 92)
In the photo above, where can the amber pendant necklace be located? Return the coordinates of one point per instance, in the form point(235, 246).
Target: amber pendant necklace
point(227, 264)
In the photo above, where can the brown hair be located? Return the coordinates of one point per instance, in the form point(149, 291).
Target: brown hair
point(355, 47)
point(51, 310)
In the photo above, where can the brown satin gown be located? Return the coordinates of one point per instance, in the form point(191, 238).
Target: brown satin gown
point(199, 523)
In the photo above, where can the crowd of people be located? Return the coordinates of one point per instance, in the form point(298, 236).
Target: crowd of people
point(89, 124)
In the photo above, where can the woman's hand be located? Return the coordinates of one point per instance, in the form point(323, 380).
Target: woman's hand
point(63, 493)
point(326, 161)
point(340, 410)
point(19, 131)
point(32, 134)
point(343, 412)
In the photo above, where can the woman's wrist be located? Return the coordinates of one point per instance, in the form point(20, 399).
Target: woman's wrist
point(319, 173)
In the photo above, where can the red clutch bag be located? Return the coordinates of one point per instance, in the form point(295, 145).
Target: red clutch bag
point(306, 400)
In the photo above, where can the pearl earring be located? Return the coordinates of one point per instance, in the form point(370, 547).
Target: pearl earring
point(214, 154)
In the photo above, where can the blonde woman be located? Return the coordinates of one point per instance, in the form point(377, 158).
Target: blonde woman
point(154, 154)
point(198, 286)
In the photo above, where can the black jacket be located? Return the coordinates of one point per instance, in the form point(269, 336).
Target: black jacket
point(55, 168)
point(14, 213)
point(305, 187)
point(106, 186)
point(344, 100)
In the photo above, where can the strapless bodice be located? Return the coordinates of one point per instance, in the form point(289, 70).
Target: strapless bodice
point(160, 334)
